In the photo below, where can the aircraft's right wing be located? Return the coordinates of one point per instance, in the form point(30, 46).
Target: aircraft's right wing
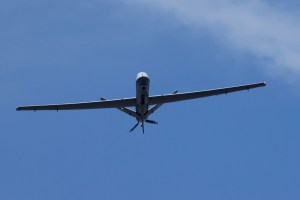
point(160, 99)
point(117, 103)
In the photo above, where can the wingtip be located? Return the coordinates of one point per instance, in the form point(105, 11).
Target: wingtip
point(262, 84)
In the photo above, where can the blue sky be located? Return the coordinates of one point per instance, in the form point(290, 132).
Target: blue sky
point(240, 146)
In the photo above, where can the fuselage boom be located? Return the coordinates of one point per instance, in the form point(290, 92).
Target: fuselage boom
point(142, 95)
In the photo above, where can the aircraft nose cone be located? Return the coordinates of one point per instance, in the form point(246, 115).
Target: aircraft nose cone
point(142, 74)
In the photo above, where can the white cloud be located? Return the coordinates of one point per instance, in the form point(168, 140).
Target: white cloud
point(250, 26)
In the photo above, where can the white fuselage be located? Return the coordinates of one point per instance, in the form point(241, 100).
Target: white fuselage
point(142, 95)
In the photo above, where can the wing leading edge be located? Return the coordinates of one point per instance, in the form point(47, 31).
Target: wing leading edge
point(117, 103)
point(160, 99)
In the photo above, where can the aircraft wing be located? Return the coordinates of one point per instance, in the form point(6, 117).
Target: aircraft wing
point(117, 103)
point(160, 99)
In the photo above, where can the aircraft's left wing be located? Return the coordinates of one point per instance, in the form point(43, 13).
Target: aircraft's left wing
point(160, 99)
point(117, 103)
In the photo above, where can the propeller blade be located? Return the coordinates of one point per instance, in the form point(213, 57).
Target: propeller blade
point(151, 121)
point(143, 126)
point(134, 127)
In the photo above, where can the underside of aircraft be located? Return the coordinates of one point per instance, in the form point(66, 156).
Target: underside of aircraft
point(144, 104)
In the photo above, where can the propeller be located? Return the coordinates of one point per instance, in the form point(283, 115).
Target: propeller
point(143, 126)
